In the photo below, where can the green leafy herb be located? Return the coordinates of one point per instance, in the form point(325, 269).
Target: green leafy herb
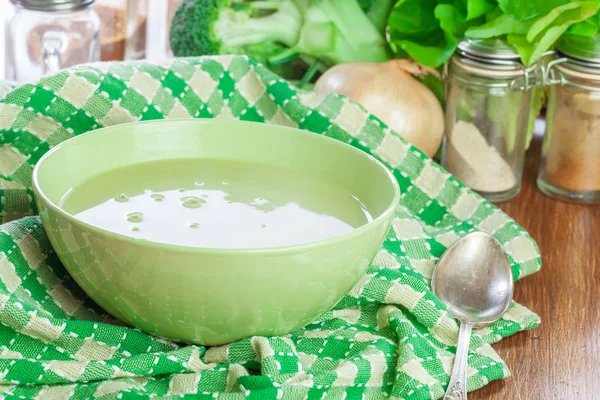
point(524, 10)
point(429, 30)
point(545, 31)
point(499, 26)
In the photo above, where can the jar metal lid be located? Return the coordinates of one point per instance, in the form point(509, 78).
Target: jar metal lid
point(52, 5)
point(575, 57)
point(586, 50)
point(488, 50)
point(496, 60)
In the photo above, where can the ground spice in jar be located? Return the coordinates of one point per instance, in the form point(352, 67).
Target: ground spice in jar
point(77, 39)
point(572, 152)
point(475, 162)
point(113, 34)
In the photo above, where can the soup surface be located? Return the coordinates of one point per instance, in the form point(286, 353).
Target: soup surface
point(215, 204)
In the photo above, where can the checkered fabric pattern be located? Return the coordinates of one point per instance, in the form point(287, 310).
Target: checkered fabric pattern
point(389, 338)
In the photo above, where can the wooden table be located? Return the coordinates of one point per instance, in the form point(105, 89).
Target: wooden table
point(560, 359)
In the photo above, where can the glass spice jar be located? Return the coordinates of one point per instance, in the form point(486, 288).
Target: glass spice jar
point(488, 98)
point(570, 166)
point(123, 30)
point(161, 18)
point(171, 8)
point(44, 36)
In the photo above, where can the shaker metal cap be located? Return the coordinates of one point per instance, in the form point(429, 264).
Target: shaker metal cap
point(585, 49)
point(52, 5)
point(488, 49)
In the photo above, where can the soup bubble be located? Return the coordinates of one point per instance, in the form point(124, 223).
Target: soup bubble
point(192, 202)
point(135, 217)
point(157, 197)
point(122, 198)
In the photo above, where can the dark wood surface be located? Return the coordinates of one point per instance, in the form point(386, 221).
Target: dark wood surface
point(560, 359)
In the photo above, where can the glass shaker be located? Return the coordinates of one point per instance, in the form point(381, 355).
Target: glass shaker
point(44, 36)
point(570, 167)
point(158, 47)
point(171, 9)
point(487, 112)
point(123, 30)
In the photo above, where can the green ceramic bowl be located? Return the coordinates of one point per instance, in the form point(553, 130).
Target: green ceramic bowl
point(212, 296)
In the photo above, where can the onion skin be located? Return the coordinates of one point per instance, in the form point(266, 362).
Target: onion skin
point(388, 91)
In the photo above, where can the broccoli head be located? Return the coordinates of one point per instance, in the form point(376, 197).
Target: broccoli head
point(258, 29)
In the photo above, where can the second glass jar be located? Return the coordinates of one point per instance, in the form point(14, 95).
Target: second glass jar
point(570, 166)
point(123, 30)
point(43, 37)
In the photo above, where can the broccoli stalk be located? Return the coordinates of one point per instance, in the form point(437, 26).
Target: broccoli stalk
point(379, 13)
point(236, 29)
point(336, 31)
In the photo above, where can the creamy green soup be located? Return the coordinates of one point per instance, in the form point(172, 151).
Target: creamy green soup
point(215, 204)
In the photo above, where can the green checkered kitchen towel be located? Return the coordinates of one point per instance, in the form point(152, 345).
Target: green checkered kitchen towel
point(389, 338)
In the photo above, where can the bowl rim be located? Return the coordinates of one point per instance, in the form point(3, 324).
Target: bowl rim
point(215, 250)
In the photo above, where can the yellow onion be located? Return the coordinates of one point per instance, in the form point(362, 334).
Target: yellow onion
point(389, 91)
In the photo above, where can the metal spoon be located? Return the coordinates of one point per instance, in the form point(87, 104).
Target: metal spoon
point(473, 278)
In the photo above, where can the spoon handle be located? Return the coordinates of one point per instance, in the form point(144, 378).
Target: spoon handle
point(457, 388)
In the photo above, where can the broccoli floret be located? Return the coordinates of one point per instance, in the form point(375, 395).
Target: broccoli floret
point(202, 27)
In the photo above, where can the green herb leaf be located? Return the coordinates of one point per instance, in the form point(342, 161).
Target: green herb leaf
point(431, 53)
point(501, 25)
point(523, 47)
point(451, 19)
point(546, 30)
point(561, 17)
point(479, 8)
point(415, 31)
point(414, 17)
point(428, 31)
point(523, 10)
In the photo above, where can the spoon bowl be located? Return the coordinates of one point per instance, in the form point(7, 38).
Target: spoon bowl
point(473, 278)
